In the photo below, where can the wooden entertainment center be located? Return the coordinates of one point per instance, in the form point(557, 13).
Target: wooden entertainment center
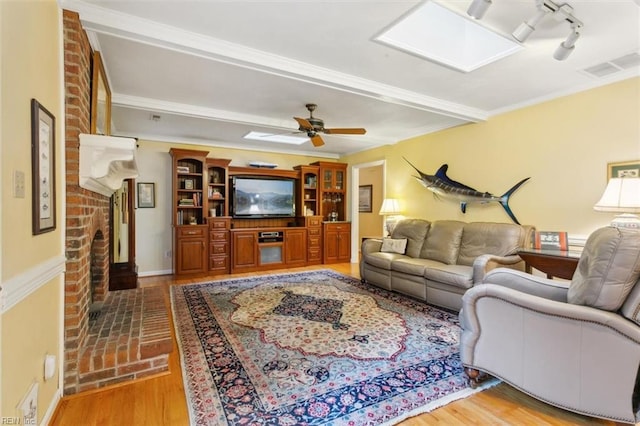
point(207, 239)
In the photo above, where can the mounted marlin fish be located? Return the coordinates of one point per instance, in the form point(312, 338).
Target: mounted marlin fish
point(440, 184)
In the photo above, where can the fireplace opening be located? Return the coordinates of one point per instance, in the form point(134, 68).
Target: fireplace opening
point(98, 273)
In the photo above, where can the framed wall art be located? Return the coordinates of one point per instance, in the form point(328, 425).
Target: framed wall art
point(623, 169)
point(146, 195)
point(100, 99)
point(364, 198)
point(43, 147)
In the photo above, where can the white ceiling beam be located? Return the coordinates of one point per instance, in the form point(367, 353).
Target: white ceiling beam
point(117, 24)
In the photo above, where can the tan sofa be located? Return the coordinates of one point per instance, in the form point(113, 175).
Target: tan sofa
point(574, 345)
point(442, 259)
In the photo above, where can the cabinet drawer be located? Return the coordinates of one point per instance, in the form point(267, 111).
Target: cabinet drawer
point(219, 236)
point(191, 232)
point(313, 254)
point(219, 248)
point(313, 231)
point(218, 223)
point(218, 262)
point(314, 222)
point(314, 241)
point(338, 226)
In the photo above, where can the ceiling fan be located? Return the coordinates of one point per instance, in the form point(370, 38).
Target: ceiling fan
point(312, 126)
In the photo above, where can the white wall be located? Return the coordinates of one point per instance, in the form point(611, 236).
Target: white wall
point(153, 225)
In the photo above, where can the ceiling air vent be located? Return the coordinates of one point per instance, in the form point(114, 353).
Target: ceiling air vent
point(613, 66)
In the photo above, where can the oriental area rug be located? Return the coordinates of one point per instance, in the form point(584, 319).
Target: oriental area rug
point(312, 348)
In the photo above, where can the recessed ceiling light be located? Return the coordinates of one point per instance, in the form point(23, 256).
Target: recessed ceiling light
point(438, 34)
point(260, 136)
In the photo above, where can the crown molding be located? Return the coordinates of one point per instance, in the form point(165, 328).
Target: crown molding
point(117, 24)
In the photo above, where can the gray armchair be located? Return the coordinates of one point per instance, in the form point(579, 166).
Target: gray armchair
point(573, 345)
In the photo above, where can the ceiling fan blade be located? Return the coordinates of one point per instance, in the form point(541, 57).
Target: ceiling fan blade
point(317, 141)
point(351, 131)
point(304, 123)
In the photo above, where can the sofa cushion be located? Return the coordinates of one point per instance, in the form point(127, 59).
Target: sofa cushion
point(455, 275)
point(393, 245)
point(381, 260)
point(443, 241)
point(499, 239)
point(413, 265)
point(608, 268)
point(415, 231)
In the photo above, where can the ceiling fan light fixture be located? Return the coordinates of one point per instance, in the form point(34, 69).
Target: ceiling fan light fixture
point(478, 8)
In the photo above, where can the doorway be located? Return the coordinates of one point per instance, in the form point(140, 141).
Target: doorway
point(372, 173)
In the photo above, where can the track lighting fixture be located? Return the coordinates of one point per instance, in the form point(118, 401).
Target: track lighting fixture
point(478, 8)
point(562, 12)
point(566, 47)
point(526, 28)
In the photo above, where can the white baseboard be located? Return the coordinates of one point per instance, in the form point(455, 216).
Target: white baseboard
point(154, 273)
point(46, 419)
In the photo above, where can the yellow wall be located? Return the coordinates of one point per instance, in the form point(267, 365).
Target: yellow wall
point(371, 224)
point(31, 68)
point(564, 145)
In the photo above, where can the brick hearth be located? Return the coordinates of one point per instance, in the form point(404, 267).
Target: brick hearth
point(130, 339)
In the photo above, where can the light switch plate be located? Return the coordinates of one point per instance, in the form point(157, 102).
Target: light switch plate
point(18, 184)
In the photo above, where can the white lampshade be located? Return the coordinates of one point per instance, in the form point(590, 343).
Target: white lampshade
point(390, 206)
point(622, 195)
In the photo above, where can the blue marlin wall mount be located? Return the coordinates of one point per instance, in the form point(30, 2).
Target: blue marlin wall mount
point(441, 185)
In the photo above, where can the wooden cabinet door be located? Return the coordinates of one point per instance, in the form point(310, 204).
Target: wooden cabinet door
point(337, 242)
point(295, 246)
point(244, 250)
point(344, 245)
point(191, 255)
point(330, 245)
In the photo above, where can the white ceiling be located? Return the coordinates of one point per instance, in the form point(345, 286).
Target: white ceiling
point(215, 70)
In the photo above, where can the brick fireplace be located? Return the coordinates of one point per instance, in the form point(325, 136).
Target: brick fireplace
point(125, 343)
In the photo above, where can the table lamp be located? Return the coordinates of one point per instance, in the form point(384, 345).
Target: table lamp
point(390, 209)
point(622, 195)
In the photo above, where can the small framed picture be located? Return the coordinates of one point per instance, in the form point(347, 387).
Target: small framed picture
point(146, 195)
point(364, 198)
point(43, 142)
point(623, 169)
point(188, 184)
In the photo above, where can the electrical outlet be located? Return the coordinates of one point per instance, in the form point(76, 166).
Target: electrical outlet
point(167, 254)
point(18, 184)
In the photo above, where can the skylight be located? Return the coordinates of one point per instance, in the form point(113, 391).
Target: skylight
point(260, 136)
point(438, 34)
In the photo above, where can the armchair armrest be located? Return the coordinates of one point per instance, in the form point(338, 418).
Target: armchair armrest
point(527, 283)
point(371, 245)
point(487, 262)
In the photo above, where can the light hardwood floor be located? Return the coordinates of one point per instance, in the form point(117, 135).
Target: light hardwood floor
point(161, 400)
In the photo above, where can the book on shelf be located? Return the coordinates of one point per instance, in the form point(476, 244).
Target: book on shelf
point(552, 240)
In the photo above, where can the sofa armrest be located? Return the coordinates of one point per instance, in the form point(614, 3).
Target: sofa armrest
point(371, 245)
point(527, 283)
point(487, 262)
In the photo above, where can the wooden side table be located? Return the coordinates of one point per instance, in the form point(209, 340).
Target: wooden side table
point(554, 263)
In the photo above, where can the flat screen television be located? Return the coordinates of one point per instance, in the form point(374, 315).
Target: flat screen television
point(262, 197)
